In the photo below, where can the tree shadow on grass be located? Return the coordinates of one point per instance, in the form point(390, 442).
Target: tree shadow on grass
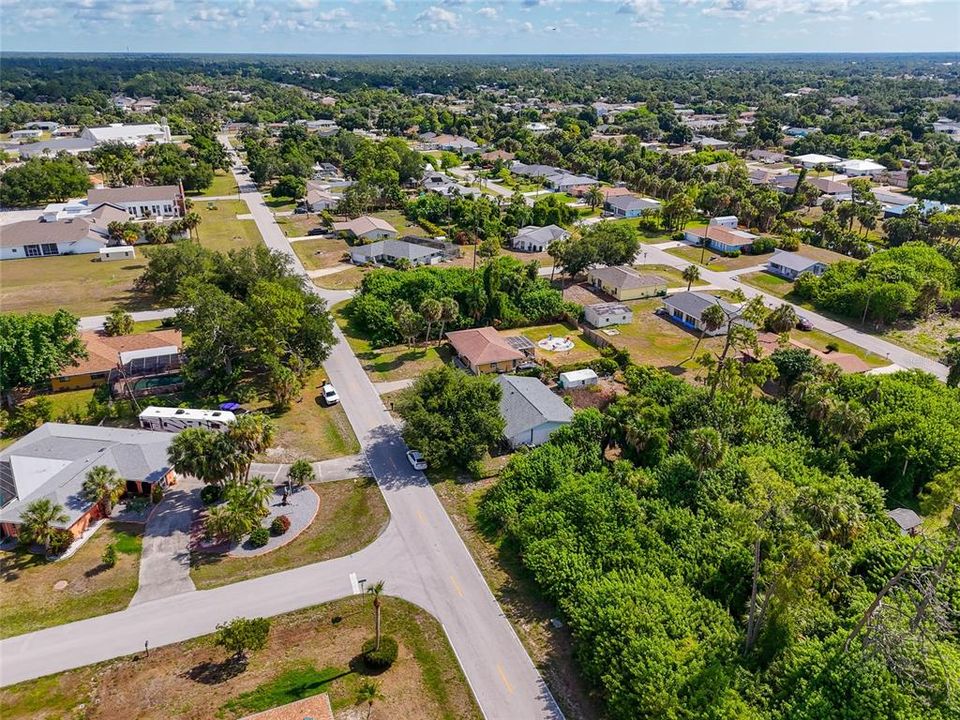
point(214, 673)
point(359, 666)
point(94, 571)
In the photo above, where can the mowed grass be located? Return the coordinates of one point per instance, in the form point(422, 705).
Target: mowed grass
point(582, 351)
point(309, 429)
point(219, 228)
point(223, 184)
point(769, 283)
point(401, 223)
point(29, 602)
point(673, 276)
point(351, 515)
point(80, 283)
point(320, 253)
point(712, 260)
point(348, 279)
point(194, 679)
point(298, 225)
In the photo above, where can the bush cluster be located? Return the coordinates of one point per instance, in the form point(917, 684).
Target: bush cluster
point(211, 494)
point(382, 658)
point(259, 537)
point(280, 524)
point(61, 542)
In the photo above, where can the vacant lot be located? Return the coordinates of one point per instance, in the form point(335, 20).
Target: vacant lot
point(931, 337)
point(31, 601)
point(309, 651)
point(673, 276)
point(348, 279)
point(309, 429)
point(223, 184)
point(819, 340)
point(219, 228)
point(298, 225)
point(320, 253)
point(770, 283)
point(715, 261)
point(401, 223)
point(352, 513)
point(80, 283)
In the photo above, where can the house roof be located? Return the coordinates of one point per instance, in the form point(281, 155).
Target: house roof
point(860, 166)
point(394, 249)
point(793, 261)
point(315, 707)
point(625, 278)
point(481, 346)
point(52, 147)
point(125, 132)
point(693, 303)
point(546, 234)
point(103, 350)
point(816, 159)
point(53, 460)
point(33, 232)
point(632, 202)
point(830, 187)
point(527, 403)
point(132, 193)
point(534, 170)
point(720, 234)
point(498, 155)
point(363, 225)
point(906, 518)
point(604, 309)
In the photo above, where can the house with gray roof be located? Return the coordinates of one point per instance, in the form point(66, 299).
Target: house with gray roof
point(389, 252)
point(49, 148)
point(791, 264)
point(630, 206)
point(534, 238)
point(531, 411)
point(686, 308)
point(79, 235)
point(52, 462)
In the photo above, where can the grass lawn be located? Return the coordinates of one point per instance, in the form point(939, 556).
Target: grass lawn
point(467, 252)
point(352, 513)
point(345, 280)
point(673, 276)
point(655, 340)
point(769, 283)
point(80, 283)
point(582, 350)
point(145, 326)
point(715, 261)
point(298, 225)
point(401, 223)
point(30, 602)
point(279, 204)
point(219, 228)
point(393, 363)
point(819, 340)
point(223, 184)
point(308, 651)
point(320, 253)
point(930, 337)
point(309, 429)
point(550, 648)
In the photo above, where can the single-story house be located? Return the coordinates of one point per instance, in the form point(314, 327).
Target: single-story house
point(573, 379)
point(531, 411)
point(388, 252)
point(451, 143)
point(494, 155)
point(607, 191)
point(786, 182)
point(711, 143)
point(859, 168)
point(625, 283)
point(484, 350)
point(52, 462)
point(142, 201)
point(49, 148)
point(366, 227)
point(766, 156)
point(720, 238)
point(910, 523)
point(604, 314)
point(81, 235)
point(564, 181)
point(687, 308)
point(105, 354)
point(534, 171)
point(319, 199)
point(811, 160)
point(924, 206)
point(46, 125)
point(630, 206)
point(128, 134)
point(26, 134)
point(832, 188)
point(534, 238)
point(791, 264)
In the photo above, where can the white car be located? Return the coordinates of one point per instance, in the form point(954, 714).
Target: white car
point(416, 459)
point(330, 396)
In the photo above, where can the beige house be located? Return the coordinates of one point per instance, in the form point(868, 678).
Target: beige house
point(625, 283)
point(484, 350)
point(366, 227)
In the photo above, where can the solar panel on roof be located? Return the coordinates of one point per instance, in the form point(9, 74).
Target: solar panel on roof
point(519, 342)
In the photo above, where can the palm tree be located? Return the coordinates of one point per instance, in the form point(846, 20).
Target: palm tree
point(704, 448)
point(201, 453)
point(449, 312)
point(691, 273)
point(368, 693)
point(118, 322)
point(431, 310)
point(103, 485)
point(38, 519)
point(248, 436)
point(711, 320)
point(376, 590)
point(594, 197)
point(230, 520)
point(256, 493)
point(190, 222)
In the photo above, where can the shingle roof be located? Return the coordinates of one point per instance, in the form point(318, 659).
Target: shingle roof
point(906, 518)
point(528, 403)
point(693, 303)
point(132, 193)
point(103, 350)
point(625, 278)
point(547, 233)
point(53, 460)
point(793, 261)
point(632, 202)
point(481, 346)
point(726, 236)
point(394, 249)
point(52, 147)
point(363, 224)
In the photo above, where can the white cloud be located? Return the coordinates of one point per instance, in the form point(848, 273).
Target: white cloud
point(640, 7)
point(389, 5)
point(438, 19)
point(487, 12)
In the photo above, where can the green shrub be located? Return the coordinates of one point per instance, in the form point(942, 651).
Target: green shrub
point(259, 537)
point(790, 243)
point(733, 254)
point(762, 245)
point(109, 557)
point(60, 542)
point(280, 524)
point(382, 658)
point(605, 365)
point(833, 347)
point(156, 493)
point(211, 494)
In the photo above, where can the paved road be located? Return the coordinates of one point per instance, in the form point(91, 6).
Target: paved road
point(656, 254)
point(95, 322)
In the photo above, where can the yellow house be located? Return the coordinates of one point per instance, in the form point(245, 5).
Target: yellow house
point(484, 350)
point(625, 283)
point(103, 357)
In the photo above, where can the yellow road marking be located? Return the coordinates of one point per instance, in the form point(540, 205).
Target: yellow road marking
point(456, 586)
point(503, 676)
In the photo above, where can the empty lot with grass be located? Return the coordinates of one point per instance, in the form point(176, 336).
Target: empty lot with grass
point(219, 228)
point(714, 261)
point(31, 601)
point(223, 184)
point(308, 652)
point(320, 253)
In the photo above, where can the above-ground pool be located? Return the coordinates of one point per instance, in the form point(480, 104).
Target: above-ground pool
point(555, 344)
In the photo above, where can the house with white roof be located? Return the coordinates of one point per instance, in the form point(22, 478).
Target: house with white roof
point(142, 201)
point(149, 133)
point(811, 160)
point(389, 252)
point(859, 168)
point(791, 264)
point(534, 238)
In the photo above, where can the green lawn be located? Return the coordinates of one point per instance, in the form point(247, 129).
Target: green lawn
point(80, 283)
point(351, 515)
point(401, 223)
point(673, 276)
point(307, 652)
point(931, 337)
point(819, 340)
point(30, 602)
point(309, 429)
point(298, 225)
point(320, 253)
point(219, 228)
point(223, 184)
point(714, 261)
point(582, 350)
point(345, 280)
point(769, 283)
point(280, 204)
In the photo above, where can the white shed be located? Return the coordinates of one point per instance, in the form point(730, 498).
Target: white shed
point(725, 221)
point(117, 252)
point(577, 379)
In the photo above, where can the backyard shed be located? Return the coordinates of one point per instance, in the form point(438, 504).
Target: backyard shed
point(578, 379)
point(116, 252)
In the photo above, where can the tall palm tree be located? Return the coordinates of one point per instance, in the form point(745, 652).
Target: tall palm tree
point(257, 492)
point(376, 590)
point(103, 485)
point(190, 222)
point(691, 273)
point(367, 694)
point(432, 310)
point(248, 436)
point(705, 449)
point(594, 197)
point(449, 312)
point(201, 453)
point(38, 519)
point(711, 320)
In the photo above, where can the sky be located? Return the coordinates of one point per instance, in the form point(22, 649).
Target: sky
point(480, 26)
